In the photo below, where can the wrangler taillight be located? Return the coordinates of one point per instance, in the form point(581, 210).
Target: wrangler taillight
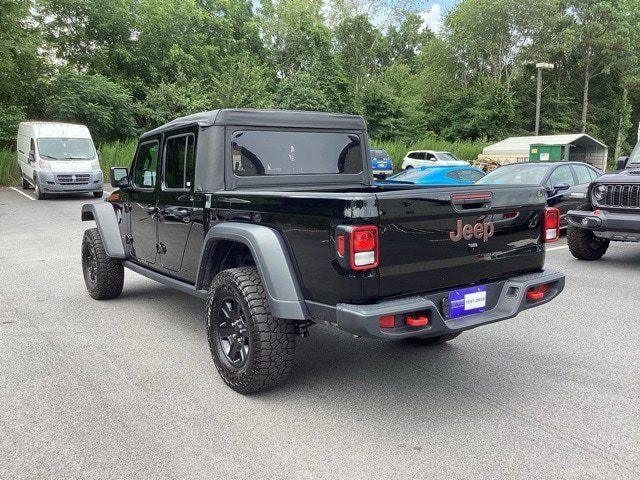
point(357, 246)
point(551, 225)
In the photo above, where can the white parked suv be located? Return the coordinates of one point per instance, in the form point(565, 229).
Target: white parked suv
point(423, 158)
point(58, 158)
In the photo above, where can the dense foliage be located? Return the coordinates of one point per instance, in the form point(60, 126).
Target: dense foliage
point(123, 66)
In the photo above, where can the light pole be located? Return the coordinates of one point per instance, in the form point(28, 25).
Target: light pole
point(540, 67)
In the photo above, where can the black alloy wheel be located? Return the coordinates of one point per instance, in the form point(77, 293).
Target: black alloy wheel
point(233, 334)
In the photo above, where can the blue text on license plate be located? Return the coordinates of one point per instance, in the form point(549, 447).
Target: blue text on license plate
point(467, 301)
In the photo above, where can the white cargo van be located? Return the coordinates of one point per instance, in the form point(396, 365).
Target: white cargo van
point(58, 158)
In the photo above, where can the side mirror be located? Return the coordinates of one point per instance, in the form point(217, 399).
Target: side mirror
point(99, 153)
point(32, 157)
point(119, 177)
point(561, 187)
point(621, 163)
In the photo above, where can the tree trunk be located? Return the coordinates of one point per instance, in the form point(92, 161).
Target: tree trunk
point(585, 97)
point(619, 137)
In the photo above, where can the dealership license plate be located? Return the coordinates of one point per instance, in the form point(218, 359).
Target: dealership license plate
point(467, 301)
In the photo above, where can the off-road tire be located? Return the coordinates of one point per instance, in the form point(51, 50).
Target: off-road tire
point(97, 194)
point(584, 245)
point(109, 272)
point(271, 340)
point(40, 195)
point(433, 340)
point(25, 184)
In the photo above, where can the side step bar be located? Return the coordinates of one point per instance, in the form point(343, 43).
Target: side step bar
point(168, 281)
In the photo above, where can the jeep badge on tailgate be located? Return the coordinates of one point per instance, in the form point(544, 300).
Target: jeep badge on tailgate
point(480, 230)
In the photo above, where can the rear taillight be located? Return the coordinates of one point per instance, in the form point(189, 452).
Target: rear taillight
point(551, 225)
point(537, 292)
point(357, 246)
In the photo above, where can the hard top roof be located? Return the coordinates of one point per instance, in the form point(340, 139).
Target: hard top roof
point(264, 118)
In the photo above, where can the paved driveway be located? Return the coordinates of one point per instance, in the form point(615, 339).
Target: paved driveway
point(126, 388)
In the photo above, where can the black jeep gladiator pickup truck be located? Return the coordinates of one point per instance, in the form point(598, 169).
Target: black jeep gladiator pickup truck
point(274, 219)
point(611, 214)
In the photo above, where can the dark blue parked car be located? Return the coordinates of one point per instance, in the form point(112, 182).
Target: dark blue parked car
point(381, 163)
point(438, 175)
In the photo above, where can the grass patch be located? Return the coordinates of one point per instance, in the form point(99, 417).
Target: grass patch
point(116, 154)
point(9, 171)
point(398, 149)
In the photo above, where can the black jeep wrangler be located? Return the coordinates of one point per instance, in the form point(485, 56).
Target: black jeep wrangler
point(612, 214)
point(273, 218)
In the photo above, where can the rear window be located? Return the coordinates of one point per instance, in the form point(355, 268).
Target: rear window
point(379, 154)
point(263, 152)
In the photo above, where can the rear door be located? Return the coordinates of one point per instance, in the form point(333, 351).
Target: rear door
point(142, 201)
point(425, 243)
point(175, 198)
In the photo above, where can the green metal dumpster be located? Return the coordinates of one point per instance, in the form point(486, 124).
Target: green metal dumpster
point(548, 153)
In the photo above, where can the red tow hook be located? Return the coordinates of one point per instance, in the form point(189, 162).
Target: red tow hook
point(416, 321)
point(538, 292)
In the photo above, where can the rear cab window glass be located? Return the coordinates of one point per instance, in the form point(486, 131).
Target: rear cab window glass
point(268, 153)
point(146, 165)
point(179, 154)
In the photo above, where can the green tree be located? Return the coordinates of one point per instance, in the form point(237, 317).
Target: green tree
point(93, 100)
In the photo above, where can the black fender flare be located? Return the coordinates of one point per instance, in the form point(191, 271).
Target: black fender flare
point(107, 222)
point(272, 260)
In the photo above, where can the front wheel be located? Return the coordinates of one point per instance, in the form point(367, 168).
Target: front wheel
point(103, 276)
point(97, 194)
point(584, 245)
point(252, 349)
point(40, 195)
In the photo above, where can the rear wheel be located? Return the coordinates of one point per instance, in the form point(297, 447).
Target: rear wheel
point(103, 276)
point(97, 194)
point(25, 184)
point(252, 349)
point(433, 340)
point(584, 245)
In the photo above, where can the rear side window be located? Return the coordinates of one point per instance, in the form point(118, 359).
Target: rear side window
point(146, 166)
point(179, 154)
point(416, 155)
point(263, 153)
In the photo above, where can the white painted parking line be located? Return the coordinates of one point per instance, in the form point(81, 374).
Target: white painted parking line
point(557, 248)
point(22, 193)
point(108, 193)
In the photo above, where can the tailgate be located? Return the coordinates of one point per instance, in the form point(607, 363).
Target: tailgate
point(437, 238)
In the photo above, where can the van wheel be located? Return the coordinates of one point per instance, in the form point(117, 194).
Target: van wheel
point(433, 340)
point(584, 245)
point(252, 349)
point(97, 194)
point(25, 184)
point(40, 195)
point(409, 167)
point(103, 276)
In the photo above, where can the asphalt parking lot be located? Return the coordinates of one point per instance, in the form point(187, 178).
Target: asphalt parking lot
point(127, 389)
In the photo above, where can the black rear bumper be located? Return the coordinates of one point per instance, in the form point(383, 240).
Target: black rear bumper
point(609, 225)
point(505, 299)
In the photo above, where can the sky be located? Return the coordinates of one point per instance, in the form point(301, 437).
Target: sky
point(434, 11)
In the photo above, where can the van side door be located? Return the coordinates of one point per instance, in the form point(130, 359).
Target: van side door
point(175, 198)
point(142, 201)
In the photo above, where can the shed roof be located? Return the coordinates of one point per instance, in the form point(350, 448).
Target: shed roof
point(265, 118)
point(521, 145)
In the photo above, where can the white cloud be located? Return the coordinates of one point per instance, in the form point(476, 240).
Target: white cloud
point(432, 17)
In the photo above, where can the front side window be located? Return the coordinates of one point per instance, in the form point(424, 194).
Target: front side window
point(266, 153)
point(561, 175)
point(66, 148)
point(179, 161)
point(146, 166)
point(583, 174)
